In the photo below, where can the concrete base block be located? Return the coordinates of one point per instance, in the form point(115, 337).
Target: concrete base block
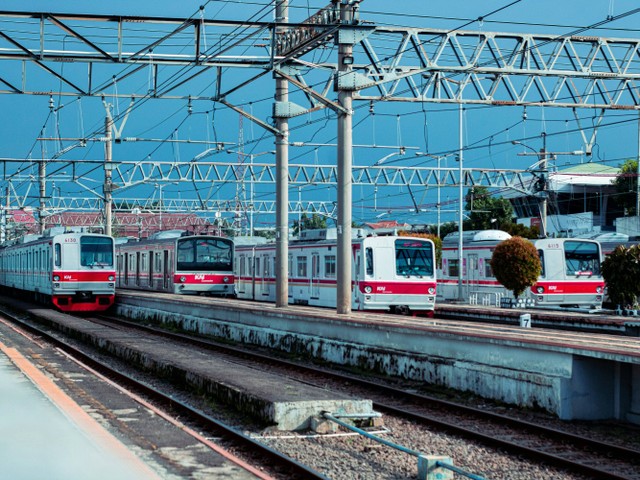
point(428, 468)
point(322, 426)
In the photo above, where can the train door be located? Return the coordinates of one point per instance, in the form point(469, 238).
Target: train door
point(138, 269)
point(315, 275)
point(266, 272)
point(242, 268)
point(358, 271)
point(554, 272)
point(165, 270)
point(290, 270)
point(126, 268)
point(473, 280)
point(151, 260)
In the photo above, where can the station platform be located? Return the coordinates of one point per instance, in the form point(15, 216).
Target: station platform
point(574, 375)
point(281, 403)
point(45, 434)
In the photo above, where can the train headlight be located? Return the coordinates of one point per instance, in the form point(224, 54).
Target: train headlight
point(56, 278)
point(111, 278)
point(367, 289)
point(540, 289)
point(431, 290)
point(225, 279)
point(598, 289)
point(183, 279)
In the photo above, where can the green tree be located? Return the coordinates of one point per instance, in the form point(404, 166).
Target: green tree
point(621, 272)
point(313, 222)
point(516, 264)
point(626, 183)
point(486, 211)
point(447, 228)
point(517, 229)
point(269, 234)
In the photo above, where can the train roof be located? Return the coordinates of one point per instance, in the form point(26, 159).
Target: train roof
point(476, 236)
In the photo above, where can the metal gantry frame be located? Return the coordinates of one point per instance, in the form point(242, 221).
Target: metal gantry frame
point(426, 65)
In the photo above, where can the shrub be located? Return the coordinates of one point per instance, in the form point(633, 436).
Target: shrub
point(516, 264)
point(621, 272)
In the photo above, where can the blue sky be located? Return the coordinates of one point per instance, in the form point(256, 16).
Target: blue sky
point(426, 128)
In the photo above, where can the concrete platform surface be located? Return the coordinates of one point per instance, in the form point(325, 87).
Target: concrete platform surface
point(47, 436)
point(276, 401)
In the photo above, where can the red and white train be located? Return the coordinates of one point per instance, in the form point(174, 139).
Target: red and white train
point(175, 262)
point(390, 273)
point(571, 275)
point(72, 269)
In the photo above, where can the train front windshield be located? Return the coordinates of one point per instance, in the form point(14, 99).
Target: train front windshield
point(205, 254)
point(582, 258)
point(96, 251)
point(414, 257)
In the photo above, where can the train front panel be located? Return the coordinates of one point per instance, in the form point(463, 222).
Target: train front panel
point(204, 264)
point(571, 273)
point(83, 273)
point(396, 274)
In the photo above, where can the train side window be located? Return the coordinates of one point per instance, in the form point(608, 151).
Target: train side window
point(453, 267)
point(301, 263)
point(330, 266)
point(257, 267)
point(58, 255)
point(541, 255)
point(488, 272)
point(369, 261)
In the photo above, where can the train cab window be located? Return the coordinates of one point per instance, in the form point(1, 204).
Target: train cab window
point(582, 258)
point(541, 255)
point(205, 254)
point(369, 261)
point(96, 251)
point(330, 266)
point(414, 257)
point(301, 270)
point(58, 255)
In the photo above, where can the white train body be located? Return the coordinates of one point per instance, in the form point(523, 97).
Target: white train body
point(389, 273)
point(175, 262)
point(73, 270)
point(571, 274)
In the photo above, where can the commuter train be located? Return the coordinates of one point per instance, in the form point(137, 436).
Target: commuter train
point(389, 273)
point(175, 262)
point(71, 269)
point(571, 275)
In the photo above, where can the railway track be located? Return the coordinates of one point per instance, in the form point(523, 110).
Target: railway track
point(254, 452)
point(563, 449)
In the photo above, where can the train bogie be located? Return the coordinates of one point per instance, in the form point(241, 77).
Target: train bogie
point(174, 262)
point(70, 269)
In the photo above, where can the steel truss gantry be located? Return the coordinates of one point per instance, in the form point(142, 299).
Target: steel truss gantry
point(85, 55)
point(391, 64)
point(131, 174)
